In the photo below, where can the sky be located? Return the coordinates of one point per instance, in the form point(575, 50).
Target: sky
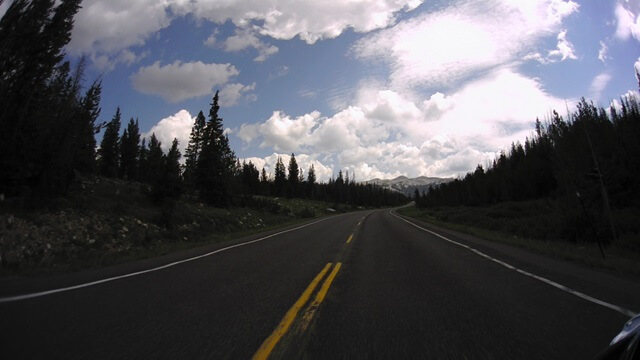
point(378, 88)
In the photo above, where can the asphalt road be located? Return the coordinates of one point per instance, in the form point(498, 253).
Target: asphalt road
point(388, 290)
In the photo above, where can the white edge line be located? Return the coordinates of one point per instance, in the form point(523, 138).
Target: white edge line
point(619, 309)
point(97, 282)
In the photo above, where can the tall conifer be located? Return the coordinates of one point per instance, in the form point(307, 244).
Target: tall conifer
point(293, 176)
point(194, 147)
point(130, 151)
point(280, 177)
point(110, 147)
point(216, 162)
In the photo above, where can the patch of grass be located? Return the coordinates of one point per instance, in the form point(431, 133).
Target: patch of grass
point(106, 221)
point(527, 225)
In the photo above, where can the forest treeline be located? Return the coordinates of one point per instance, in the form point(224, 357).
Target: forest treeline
point(212, 172)
point(49, 123)
point(586, 165)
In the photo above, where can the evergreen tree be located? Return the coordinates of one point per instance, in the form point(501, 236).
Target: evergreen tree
point(110, 148)
point(311, 181)
point(173, 159)
point(581, 166)
point(155, 161)
point(250, 177)
point(57, 133)
point(130, 151)
point(216, 162)
point(293, 176)
point(41, 109)
point(85, 156)
point(264, 182)
point(339, 188)
point(280, 177)
point(172, 178)
point(32, 37)
point(193, 148)
point(143, 161)
point(237, 172)
point(157, 173)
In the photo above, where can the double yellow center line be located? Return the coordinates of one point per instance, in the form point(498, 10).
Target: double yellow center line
point(285, 324)
point(270, 343)
point(267, 346)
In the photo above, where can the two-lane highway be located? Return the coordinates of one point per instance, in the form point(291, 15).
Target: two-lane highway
point(219, 306)
point(405, 293)
point(359, 285)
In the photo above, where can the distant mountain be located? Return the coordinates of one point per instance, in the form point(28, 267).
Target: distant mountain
point(408, 186)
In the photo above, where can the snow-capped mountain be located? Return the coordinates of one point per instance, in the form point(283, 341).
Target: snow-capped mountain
point(408, 186)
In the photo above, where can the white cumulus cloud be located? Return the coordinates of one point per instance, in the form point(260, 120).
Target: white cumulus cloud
point(231, 94)
point(564, 50)
point(177, 126)
point(385, 134)
point(628, 23)
point(309, 19)
point(493, 111)
point(442, 47)
point(105, 28)
point(598, 85)
point(179, 81)
point(244, 39)
point(281, 132)
point(436, 105)
point(212, 40)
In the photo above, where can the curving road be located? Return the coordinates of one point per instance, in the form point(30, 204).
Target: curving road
point(360, 285)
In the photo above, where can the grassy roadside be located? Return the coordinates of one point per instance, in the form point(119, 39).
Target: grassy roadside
point(619, 258)
point(105, 221)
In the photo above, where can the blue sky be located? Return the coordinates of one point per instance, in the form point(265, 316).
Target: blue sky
point(378, 88)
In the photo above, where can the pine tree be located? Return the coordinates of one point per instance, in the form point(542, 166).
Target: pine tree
point(250, 177)
point(311, 175)
point(264, 182)
point(85, 156)
point(173, 159)
point(416, 198)
point(32, 37)
point(157, 173)
point(311, 181)
point(339, 188)
point(57, 133)
point(173, 181)
point(193, 149)
point(155, 160)
point(40, 101)
point(280, 177)
point(216, 162)
point(237, 171)
point(143, 161)
point(130, 151)
point(293, 176)
point(110, 147)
